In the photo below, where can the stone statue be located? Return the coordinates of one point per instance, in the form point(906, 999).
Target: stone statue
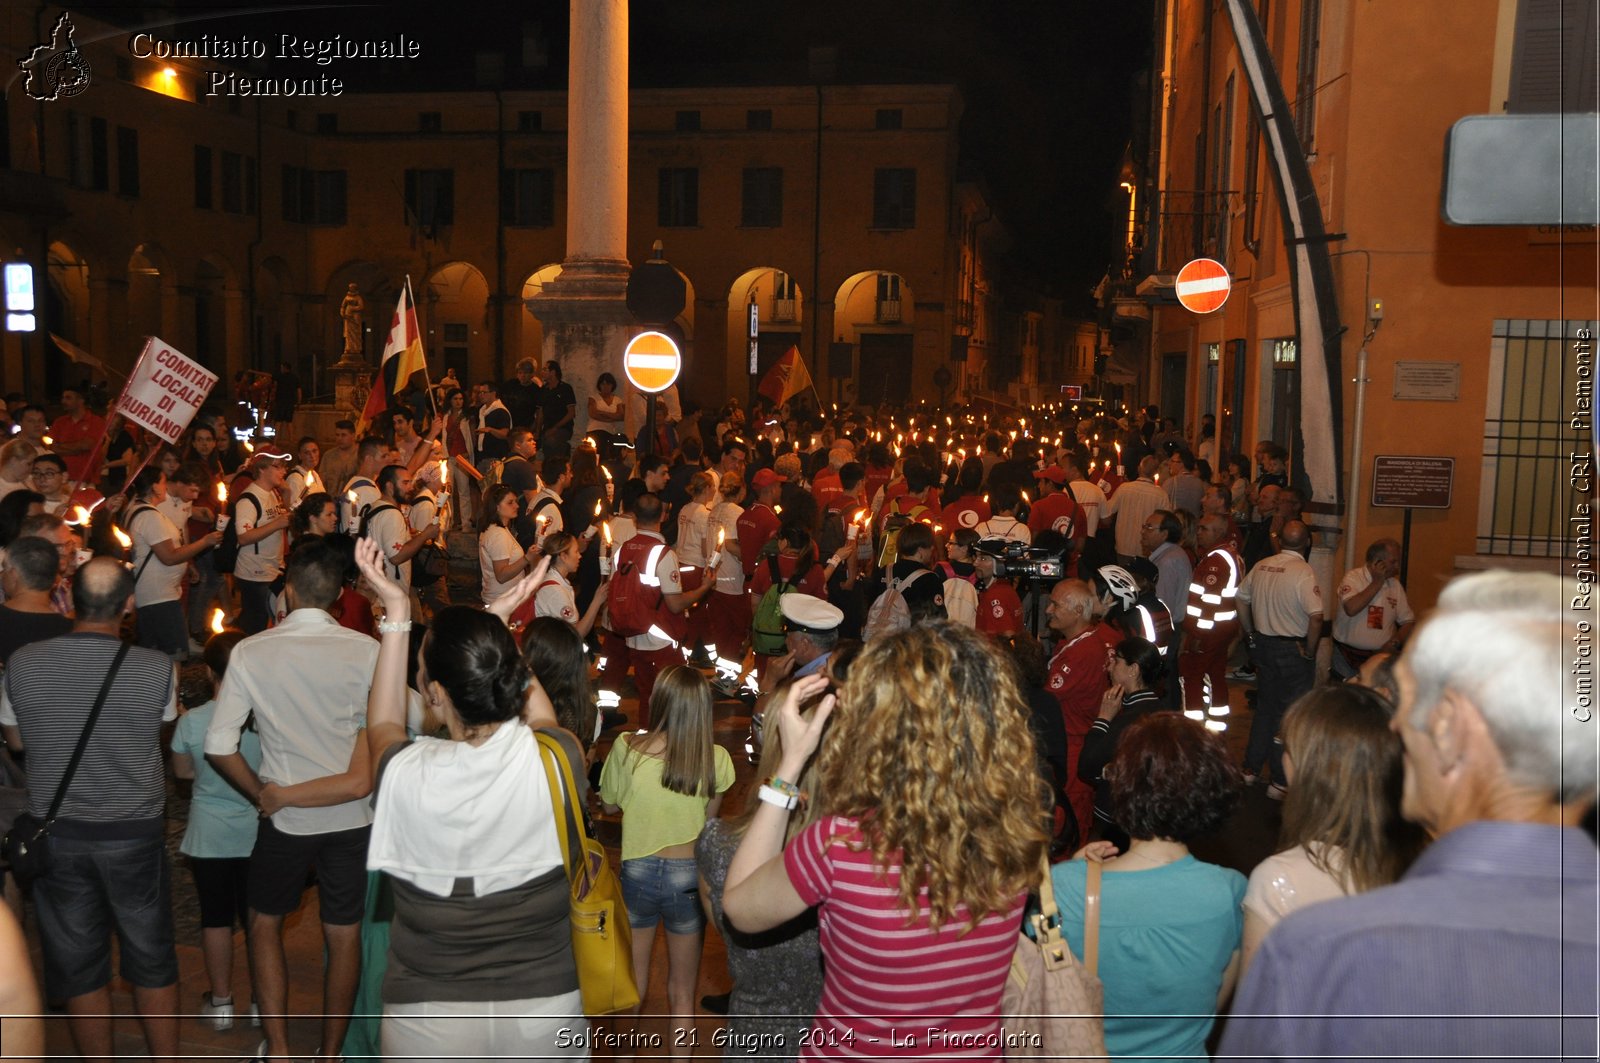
point(354, 311)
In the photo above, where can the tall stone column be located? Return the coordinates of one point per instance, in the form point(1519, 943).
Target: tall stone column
point(583, 311)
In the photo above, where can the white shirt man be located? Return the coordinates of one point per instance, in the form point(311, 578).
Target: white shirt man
point(1372, 604)
point(388, 526)
point(262, 560)
point(1131, 504)
point(1091, 500)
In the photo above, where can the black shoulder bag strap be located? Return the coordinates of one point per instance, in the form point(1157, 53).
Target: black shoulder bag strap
point(83, 739)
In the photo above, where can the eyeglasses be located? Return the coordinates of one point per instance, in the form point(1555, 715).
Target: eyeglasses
point(45, 474)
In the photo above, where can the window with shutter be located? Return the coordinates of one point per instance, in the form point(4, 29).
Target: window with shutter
point(678, 202)
point(894, 198)
point(763, 197)
point(1553, 58)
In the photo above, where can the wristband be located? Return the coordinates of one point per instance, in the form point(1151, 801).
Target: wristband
point(783, 787)
point(393, 627)
point(778, 798)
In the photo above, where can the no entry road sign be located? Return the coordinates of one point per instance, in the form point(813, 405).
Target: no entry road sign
point(652, 362)
point(1203, 285)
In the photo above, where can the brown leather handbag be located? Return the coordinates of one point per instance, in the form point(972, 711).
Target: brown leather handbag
point(1053, 1006)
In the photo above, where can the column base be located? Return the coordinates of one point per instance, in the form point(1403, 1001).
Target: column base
point(586, 323)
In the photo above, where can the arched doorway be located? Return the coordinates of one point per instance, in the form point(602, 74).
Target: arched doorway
point(66, 313)
point(146, 267)
point(873, 310)
point(780, 312)
point(530, 334)
point(453, 311)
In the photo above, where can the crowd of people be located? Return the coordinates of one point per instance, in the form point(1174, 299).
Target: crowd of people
point(973, 645)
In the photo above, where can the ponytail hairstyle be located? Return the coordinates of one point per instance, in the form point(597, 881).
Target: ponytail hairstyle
point(472, 655)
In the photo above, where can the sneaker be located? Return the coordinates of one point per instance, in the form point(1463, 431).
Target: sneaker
point(1249, 778)
point(1276, 792)
point(1243, 672)
point(701, 659)
point(716, 1003)
point(725, 687)
point(217, 1013)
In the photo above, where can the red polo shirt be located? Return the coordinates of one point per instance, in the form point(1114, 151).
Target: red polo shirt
point(86, 430)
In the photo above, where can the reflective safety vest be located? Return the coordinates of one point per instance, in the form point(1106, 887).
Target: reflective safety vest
point(1213, 590)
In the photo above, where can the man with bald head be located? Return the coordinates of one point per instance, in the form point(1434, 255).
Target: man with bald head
point(1280, 608)
point(1210, 621)
point(1486, 946)
point(107, 845)
point(1077, 680)
point(1258, 539)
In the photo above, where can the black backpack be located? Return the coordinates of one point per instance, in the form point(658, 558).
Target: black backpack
point(226, 554)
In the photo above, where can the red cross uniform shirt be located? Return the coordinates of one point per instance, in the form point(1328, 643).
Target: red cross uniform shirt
point(757, 526)
point(999, 609)
point(968, 511)
point(1077, 681)
point(1058, 512)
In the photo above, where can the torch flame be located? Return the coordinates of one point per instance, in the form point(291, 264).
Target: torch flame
point(216, 621)
point(599, 507)
point(444, 473)
point(350, 496)
point(722, 536)
point(248, 449)
point(79, 515)
point(607, 472)
point(222, 493)
point(121, 537)
point(605, 529)
point(47, 441)
point(311, 478)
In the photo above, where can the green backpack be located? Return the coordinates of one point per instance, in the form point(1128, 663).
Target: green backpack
point(766, 630)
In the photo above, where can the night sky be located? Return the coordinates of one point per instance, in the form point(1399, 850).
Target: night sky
point(1052, 87)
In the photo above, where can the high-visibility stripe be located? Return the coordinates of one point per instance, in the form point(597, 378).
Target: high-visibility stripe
point(1194, 714)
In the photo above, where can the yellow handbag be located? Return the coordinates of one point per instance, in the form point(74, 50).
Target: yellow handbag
point(602, 940)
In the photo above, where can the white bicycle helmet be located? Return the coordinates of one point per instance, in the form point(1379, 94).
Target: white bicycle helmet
point(1118, 582)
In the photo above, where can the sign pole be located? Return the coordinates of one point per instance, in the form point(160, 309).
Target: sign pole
point(1405, 543)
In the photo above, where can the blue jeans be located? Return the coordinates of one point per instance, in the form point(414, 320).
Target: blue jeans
point(657, 890)
point(92, 887)
point(1282, 675)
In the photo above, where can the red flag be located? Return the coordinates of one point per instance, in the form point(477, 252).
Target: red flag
point(787, 377)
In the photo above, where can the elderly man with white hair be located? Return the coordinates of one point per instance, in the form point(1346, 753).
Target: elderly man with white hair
point(1487, 946)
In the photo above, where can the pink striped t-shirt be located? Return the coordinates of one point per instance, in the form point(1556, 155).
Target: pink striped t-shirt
point(891, 989)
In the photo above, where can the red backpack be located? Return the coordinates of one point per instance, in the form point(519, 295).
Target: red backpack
point(635, 598)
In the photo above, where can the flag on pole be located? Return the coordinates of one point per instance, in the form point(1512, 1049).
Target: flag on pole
point(787, 377)
point(402, 356)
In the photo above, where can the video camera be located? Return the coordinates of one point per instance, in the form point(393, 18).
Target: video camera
point(1012, 559)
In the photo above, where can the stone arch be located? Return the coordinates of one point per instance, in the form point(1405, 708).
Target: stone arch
point(453, 312)
point(530, 331)
point(873, 311)
point(781, 309)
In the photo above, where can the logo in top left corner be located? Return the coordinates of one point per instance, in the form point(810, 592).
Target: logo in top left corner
point(56, 70)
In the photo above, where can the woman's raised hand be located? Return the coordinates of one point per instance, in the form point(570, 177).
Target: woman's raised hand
point(800, 736)
point(520, 591)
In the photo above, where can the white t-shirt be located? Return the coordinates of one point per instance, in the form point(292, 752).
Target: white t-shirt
point(671, 583)
point(696, 540)
point(614, 406)
point(496, 544)
point(1091, 502)
point(387, 527)
point(555, 598)
point(423, 512)
point(155, 582)
point(260, 562)
point(367, 496)
point(1004, 528)
point(730, 569)
point(1374, 625)
point(550, 510)
point(8, 486)
point(1282, 594)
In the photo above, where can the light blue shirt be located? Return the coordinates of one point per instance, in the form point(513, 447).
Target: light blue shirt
point(222, 824)
point(1166, 937)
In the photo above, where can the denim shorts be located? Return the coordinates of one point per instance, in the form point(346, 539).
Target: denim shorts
point(91, 887)
point(658, 890)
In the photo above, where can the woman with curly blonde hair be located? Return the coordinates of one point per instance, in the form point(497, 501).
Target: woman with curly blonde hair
point(930, 834)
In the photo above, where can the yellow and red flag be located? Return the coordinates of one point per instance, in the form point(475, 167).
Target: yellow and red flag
point(787, 378)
